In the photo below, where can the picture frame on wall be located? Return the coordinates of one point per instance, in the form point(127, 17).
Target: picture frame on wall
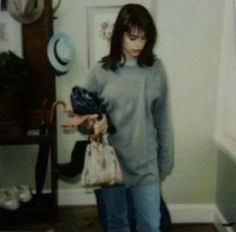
point(100, 22)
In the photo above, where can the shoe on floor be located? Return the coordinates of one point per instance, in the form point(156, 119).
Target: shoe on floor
point(23, 192)
point(8, 200)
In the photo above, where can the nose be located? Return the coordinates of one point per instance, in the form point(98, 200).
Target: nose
point(140, 43)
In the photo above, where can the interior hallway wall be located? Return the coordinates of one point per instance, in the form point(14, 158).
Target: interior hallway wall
point(189, 38)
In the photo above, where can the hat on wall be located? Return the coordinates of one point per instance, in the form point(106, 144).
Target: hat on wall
point(25, 11)
point(61, 52)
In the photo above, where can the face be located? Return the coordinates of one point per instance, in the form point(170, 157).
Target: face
point(133, 43)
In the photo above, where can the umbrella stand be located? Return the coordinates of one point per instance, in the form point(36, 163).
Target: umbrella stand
point(45, 146)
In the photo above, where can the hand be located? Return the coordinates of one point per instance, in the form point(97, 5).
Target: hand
point(163, 175)
point(74, 120)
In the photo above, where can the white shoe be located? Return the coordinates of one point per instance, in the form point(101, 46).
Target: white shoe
point(8, 200)
point(23, 193)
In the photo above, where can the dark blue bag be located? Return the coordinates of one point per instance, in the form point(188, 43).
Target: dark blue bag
point(85, 102)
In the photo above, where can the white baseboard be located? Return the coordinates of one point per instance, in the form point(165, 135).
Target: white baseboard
point(77, 196)
point(180, 213)
point(192, 213)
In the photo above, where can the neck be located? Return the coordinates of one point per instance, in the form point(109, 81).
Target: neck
point(130, 62)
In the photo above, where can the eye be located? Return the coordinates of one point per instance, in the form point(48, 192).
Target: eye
point(134, 37)
point(144, 38)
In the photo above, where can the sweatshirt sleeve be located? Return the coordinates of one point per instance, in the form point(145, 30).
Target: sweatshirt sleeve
point(91, 83)
point(163, 124)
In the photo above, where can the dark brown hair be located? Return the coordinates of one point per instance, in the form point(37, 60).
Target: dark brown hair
point(131, 16)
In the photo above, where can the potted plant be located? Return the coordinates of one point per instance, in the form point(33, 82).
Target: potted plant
point(14, 77)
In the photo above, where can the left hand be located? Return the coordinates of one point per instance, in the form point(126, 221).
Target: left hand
point(163, 175)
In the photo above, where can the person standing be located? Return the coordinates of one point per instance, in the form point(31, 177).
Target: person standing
point(132, 84)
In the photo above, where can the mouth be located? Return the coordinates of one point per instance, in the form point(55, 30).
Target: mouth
point(136, 50)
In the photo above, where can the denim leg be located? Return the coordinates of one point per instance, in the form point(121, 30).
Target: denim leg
point(131, 212)
point(114, 201)
point(146, 199)
point(101, 203)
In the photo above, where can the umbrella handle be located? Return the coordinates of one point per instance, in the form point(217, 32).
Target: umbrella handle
point(56, 7)
point(53, 109)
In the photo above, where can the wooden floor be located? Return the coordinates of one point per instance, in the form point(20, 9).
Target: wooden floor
point(85, 219)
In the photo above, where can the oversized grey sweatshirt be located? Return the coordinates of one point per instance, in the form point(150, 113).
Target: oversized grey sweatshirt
point(136, 99)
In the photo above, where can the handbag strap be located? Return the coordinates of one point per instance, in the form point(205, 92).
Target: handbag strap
point(100, 138)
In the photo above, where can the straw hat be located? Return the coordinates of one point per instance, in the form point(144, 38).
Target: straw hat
point(61, 52)
point(25, 11)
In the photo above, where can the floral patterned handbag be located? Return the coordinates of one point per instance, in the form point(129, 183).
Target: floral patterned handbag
point(101, 166)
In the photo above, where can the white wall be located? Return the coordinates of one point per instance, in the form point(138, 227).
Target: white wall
point(190, 33)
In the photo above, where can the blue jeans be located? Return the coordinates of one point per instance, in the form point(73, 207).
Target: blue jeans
point(145, 208)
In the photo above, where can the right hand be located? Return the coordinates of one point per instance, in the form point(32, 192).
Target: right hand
point(73, 120)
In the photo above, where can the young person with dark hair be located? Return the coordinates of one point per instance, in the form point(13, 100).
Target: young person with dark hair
point(132, 84)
